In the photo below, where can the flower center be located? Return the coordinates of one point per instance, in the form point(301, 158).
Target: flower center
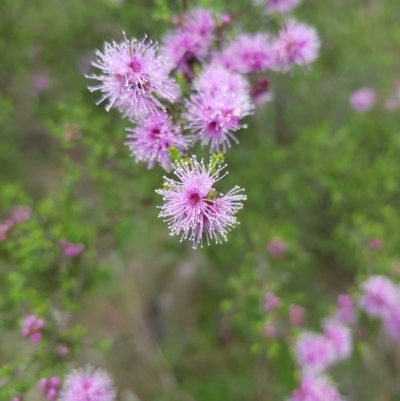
point(194, 198)
point(214, 127)
point(135, 65)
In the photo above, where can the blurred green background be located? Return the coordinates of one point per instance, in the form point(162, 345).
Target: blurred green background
point(186, 324)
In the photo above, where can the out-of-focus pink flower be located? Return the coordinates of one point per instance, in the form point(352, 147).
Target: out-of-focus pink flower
point(70, 250)
point(392, 104)
point(16, 399)
point(345, 311)
point(32, 328)
point(271, 301)
point(276, 247)
point(88, 384)
point(340, 337)
point(363, 99)
point(20, 213)
point(297, 314)
point(315, 388)
point(380, 296)
point(296, 44)
point(376, 243)
point(224, 19)
point(41, 82)
point(50, 387)
point(36, 51)
point(269, 330)
point(314, 352)
point(5, 227)
point(62, 350)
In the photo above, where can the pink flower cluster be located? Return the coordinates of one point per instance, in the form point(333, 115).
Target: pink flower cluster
point(17, 214)
point(87, 384)
point(315, 388)
point(381, 298)
point(50, 387)
point(32, 327)
point(218, 90)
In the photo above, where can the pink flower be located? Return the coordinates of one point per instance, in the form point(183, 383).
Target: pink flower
point(88, 384)
point(194, 208)
point(296, 44)
point(340, 337)
point(214, 118)
point(184, 48)
point(380, 296)
point(376, 243)
point(41, 82)
point(271, 301)
point(315, 388)
point(20, 213)
point(32, 328)
point(134, 78)
point(49, 387)
point(153, 136)
point(70, 250)
point(276, 247)
point(363, 99)
point(314, 352)
point(62, 350)
point(297, 314)
point(278, 6)
point(248, 53)
point(345, 311)
point(201, 22)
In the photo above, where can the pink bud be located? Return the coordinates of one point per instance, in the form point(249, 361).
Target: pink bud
point(55, 382)
point(51, 394)
point(20, 213)
point(42, 383)
point(376, 243)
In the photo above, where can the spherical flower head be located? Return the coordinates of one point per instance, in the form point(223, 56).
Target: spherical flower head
point(278, 6)
point(271, 301)
point(184, 48)
point(314, 352)
point(49, 387)
point(276, 247)
point(249, 53)
point(363, 99)
point(214, 117)
point(346, 309)
point(134, 77)
point(201, 22)
point(193, 208)
point(296, 44)
point(215, 79)
point(297, 314)
point(315, 388)
point(150, 140)
point(70, 250)
point(62, 350)
point(380, 296)
point(20, 213)
point(340, 337)
point(32, 327)
point(88, 385)
point(41, 82)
